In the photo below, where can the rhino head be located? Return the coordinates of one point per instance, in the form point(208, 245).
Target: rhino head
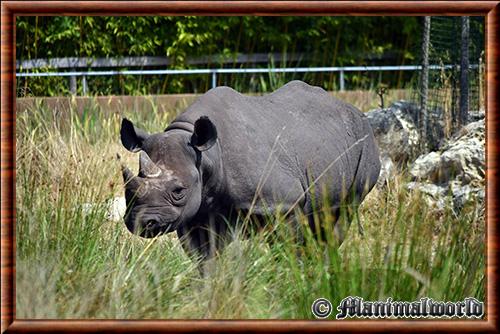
point(167, 192)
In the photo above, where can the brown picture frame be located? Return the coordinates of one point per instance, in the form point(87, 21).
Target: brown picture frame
point(10, 9)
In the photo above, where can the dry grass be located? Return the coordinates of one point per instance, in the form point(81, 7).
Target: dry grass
point(73, 263)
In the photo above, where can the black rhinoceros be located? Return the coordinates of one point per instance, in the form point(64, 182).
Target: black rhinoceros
point(229, 153)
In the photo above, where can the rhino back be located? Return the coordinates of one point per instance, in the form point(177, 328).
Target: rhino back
point(284, 140)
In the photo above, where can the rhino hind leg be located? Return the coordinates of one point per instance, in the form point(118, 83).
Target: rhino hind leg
point(339, 224)
point(329, 222)
point(365, 178)
point(347, 217)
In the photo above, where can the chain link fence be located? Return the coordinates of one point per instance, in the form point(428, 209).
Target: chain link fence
point(450, 38)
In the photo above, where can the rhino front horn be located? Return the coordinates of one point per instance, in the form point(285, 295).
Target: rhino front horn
point(127, 174)
point(147, 167)
point(133, 183)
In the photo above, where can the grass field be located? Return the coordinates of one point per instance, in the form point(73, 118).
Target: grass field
point(71, 262)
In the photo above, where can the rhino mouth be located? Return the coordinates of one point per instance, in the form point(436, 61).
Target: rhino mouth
point(150, 227)
point(153, 228)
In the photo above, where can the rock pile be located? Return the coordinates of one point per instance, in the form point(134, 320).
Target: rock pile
point(454, 167)
point(457, 168)
point(396, 130)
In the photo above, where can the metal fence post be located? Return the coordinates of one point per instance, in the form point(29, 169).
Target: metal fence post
point(72, 83)
point(424, 82)
point(214, 79)
point(84, 85)
point(464, 74)
point(342, 83)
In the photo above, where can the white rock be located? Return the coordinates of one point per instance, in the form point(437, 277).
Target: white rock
point(465, 160)
point(462, 194)
point(457, 170)
point(395, 130)
point(387, 170)
point(462, 158)
point(409, 126)
point(434, 195)
point(430, 189)
point(426, 166)
point(116, 209)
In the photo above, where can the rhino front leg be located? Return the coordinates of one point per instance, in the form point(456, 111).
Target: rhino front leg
point(204, 241)
point(191, 239)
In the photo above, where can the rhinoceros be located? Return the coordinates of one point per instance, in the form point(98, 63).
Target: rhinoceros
point(229, 153)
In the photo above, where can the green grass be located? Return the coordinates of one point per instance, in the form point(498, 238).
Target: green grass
point(73, 263)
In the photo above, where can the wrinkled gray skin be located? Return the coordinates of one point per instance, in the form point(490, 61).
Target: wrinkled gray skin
point(210, 162)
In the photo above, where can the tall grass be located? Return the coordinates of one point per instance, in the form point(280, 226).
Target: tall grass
point(74, 263)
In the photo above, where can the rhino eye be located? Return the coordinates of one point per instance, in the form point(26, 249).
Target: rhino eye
point(178, 193)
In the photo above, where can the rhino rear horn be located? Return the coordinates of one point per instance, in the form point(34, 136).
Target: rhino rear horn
point(147, 167)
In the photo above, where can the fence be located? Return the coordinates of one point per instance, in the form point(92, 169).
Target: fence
point(455, 93)
point(148, 61)
point(215, 71)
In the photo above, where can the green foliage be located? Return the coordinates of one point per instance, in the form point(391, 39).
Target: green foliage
point(326, 41)
point(72, 262)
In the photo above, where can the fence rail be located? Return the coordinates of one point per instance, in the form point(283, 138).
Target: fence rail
point(88, 62)
point(215, 71)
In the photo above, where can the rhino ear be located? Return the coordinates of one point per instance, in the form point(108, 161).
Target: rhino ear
point(132, 137)
point(205, 134)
